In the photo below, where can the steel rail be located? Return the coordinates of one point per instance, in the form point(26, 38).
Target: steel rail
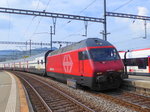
point(45, 104)
point(66, 96)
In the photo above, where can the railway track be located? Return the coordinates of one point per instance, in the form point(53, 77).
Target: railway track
point(127, 99)
point(137, 101)
point(132, 101)
point(46, 98)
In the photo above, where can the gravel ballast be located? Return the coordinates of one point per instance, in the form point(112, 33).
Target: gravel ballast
point(99, 104)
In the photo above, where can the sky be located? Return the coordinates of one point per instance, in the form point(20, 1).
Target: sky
point(125, 34)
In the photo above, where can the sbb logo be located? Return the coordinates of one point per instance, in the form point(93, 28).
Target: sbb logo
point(67, 63)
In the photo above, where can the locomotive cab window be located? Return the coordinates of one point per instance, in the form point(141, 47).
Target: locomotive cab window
point(104, 54)
point(83, 55)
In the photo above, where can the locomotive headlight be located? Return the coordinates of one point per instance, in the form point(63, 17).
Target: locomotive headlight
point(99, 73)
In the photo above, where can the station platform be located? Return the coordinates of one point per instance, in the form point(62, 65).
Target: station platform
point(12, 95)
point(138, 83)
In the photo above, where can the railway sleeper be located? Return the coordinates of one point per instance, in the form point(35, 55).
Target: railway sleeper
point(63, 107)
point(59, 104)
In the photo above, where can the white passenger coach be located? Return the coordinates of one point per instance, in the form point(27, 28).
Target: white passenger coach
point(137, 62)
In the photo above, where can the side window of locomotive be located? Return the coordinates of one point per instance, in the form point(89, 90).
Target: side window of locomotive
point(83, 55)
point(80, 55)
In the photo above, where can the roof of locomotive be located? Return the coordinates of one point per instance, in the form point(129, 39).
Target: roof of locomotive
point(89, 42)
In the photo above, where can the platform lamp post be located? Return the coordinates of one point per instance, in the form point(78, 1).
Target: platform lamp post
point(125, 63)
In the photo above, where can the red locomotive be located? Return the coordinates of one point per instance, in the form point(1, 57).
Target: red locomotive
point(92, 62)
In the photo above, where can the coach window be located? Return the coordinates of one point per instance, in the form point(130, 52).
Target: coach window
point(38, 62)
point(41, 61)
point(83, 55)
point(141, 62)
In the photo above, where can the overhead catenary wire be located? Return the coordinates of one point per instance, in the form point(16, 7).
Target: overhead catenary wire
point(38, 4)
point(116, 9)
point(26, 30)
point(32, 19)
point(40, 20)
point(79, 12)
point(131, 39)
point(91, 3)
point(88, 6)
point(127, 35)
point(64, 25)
point(123, 5)
point(76, 33)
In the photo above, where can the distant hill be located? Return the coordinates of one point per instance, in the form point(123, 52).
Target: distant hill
point(7, 52)
point(17, 54)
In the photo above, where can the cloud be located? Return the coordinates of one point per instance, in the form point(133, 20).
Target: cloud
point(142, 11)
point(138, 25)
